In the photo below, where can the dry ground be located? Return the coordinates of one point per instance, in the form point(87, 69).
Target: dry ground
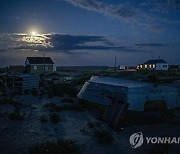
point(18, 136)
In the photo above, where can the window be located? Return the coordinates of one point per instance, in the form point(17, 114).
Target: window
point(141, 66)
point(145, 66)
point(46, 68)
point(35, 67)
point(153, 66)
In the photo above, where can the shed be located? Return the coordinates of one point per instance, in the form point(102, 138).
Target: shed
point(22, 81)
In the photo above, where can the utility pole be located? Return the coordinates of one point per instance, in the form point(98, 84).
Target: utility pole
point(44, 62)
point(115, 62)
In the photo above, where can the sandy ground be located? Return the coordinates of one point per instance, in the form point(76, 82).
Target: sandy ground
point(17, 136)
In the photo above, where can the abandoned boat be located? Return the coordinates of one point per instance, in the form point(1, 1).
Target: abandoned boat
point(105, 90)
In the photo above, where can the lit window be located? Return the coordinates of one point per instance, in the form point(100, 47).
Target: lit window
point(153, 66)
point(145, 66)
point(35, 67)
point(150, 66)
point(141, 66)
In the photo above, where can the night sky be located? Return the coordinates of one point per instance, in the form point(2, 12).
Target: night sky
point(90, 32)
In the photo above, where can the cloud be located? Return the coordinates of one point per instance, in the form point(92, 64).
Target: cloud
point(61, 43)
point(119, 11)
point(81, 42)
point(150, 45)
point(70, 44)
point(161, 6)
point(134, 14)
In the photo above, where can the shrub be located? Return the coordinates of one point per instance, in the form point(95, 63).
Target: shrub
point(62, 88)
point(91, 107)
point(54, 118)
point(15, 116)
point(68, 100)
point(63, 146)
point(104, 137)
point(71, 107)
point(52, 107)
point(11, 102)
point(93, 124)
point(43, 118)
point(152, 78)
point(90, 124)
point(34, 92)
point(160, 148)
point(81, 80)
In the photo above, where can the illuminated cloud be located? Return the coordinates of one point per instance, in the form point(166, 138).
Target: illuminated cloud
point(61, 42)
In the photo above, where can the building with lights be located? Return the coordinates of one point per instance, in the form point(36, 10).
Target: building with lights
point(158, 64)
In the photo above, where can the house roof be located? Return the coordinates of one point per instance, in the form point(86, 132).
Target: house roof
point(118, 82)
point(40, 60)
point(155, 61)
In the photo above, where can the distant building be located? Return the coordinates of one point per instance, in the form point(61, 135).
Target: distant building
point(17, 68)
point(39, 65)
point(174, 67)
point(158, 64)
point(121, 67)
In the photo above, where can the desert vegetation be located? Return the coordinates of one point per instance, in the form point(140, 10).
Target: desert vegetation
point(62, 146)
point(54, 117)
point(16, 116)
point(103, 136)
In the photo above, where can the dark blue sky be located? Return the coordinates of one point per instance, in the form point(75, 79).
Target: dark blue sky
point(90, 32)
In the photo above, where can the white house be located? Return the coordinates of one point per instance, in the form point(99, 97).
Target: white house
point(158, 64)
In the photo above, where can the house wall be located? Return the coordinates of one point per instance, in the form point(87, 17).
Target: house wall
point(161, 66)
point(158, 66)
point(35, 68)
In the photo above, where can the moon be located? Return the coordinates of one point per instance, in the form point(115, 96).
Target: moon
point(33, 33)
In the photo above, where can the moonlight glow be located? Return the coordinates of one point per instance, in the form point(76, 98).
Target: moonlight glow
point(33, 33)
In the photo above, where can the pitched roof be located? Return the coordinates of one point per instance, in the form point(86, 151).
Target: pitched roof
point(40, 60)
point(155, 61)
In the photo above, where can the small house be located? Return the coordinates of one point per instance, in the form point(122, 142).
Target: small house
point(39, 65)
point(158, 64)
